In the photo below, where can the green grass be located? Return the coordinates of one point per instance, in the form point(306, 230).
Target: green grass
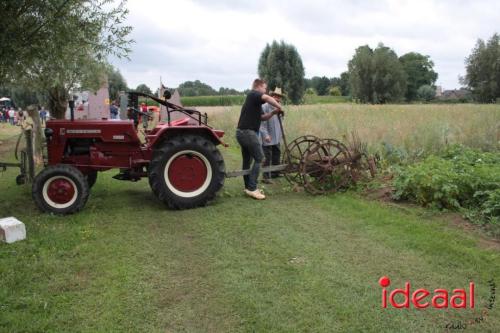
point(292, 263)
point(8, 131)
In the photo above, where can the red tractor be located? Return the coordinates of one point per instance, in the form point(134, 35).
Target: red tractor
point(180, 158)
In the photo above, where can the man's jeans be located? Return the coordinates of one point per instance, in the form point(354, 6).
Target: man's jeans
point(250, 149)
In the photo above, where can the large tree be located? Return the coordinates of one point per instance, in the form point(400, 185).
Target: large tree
point(321, 85)
point(376, 76)
point(360, 74)
point(143, 88)
point(281, 66)
point(55, 46)
point(344, 84)
point(389, 77)
point(483, 70)
point(419, 71)
point(116, 82)
point(196, 88)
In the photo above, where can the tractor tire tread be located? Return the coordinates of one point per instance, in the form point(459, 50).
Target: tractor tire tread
point(160, 157)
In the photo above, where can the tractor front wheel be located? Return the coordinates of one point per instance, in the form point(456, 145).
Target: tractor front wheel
point(186, 171)
point(60, 189)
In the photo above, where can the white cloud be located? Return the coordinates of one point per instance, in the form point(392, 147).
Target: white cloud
point(219, 42)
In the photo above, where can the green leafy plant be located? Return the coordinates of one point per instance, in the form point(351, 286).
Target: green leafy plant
point(461, 178)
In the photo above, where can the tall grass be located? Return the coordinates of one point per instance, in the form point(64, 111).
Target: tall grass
point(190, 101)
point(313, 99)
point(415, 128)
point(230, 100)
point(225, 100)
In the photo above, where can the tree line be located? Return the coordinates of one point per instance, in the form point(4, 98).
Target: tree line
point(379, 75)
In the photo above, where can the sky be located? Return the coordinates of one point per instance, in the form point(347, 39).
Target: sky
point(219, 42)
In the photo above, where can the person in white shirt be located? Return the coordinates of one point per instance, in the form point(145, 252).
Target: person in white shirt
point(12, 116)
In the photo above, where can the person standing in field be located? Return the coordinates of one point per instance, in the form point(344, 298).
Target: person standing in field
point(21, 117)
point(12, 116)
point(43, 115)
point(270, 132)
point(113, 110)
point(247, 134)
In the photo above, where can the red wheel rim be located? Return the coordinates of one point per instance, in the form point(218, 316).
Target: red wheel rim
point(187, 173)
point(60, 191)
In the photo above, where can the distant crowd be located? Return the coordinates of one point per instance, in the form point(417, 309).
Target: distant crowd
point(18, 117)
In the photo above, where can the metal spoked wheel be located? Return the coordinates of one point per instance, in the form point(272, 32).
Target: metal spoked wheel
point(296, 150)
point(326, 167)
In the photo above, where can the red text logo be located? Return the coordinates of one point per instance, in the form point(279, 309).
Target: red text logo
point(422, 298)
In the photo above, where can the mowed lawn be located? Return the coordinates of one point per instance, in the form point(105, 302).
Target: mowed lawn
point(292, 263)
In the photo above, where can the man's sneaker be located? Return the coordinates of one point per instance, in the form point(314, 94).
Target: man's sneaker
point(257, 194)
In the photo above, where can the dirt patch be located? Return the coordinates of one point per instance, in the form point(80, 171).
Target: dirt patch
point(381, 194)
point(484, 241)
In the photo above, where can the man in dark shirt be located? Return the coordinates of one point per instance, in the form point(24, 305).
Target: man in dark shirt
point(247, 134)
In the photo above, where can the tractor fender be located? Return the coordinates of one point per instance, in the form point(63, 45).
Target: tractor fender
point(169, 132)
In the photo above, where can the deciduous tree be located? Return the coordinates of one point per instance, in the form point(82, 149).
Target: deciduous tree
point(281, 66)
point(55, 46)
point(419, 71)
point(376, 76)
point(143, 88)
point(483, 70)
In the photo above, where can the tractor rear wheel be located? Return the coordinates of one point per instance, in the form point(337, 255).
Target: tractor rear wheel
point(60, 189)
point(186, 171)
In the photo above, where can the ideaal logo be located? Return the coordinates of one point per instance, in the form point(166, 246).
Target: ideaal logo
point(440, 299)
point(460, 298)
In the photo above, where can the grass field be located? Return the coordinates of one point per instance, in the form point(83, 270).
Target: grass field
point(230, 100)
point(414, 128)
point(292, 263)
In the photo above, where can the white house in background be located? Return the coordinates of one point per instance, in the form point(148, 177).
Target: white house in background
point(439, 91)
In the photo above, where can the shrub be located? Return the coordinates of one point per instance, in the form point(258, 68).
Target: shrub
point(335, 91)
point(426, 93)
point(461, 178)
